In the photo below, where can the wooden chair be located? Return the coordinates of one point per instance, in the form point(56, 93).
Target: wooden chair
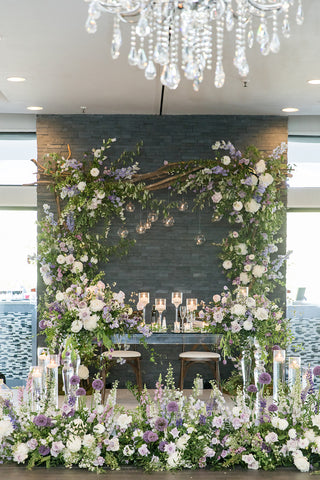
point(191, 357)
point(132, 358)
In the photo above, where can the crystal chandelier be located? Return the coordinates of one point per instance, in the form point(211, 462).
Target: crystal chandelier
point(187, 36)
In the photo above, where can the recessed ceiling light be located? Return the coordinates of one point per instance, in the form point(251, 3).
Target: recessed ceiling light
point(290, 109)
point(316, 81)
point(16, 79)
point(35, 108)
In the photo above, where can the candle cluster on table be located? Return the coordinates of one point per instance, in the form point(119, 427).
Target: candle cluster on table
point(44, 379)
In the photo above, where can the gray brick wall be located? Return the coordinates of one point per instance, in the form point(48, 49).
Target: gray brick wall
point(163, 259)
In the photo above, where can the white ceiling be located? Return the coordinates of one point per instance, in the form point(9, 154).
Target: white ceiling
point(66, 68)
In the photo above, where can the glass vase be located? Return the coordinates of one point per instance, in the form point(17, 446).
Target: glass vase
point(70, 368)
point(246, 364)
point(52, 381)
point(279, 371)
point(258, 369)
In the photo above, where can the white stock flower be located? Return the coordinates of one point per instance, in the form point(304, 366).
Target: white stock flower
point(260, 166)
point(216, 146)
point(252, 206)
point(94, 172)
point(83, 372)
point(237, 206)
point(241, 249)
point(96, 305)
point(77, 267)
point(265, 180)
point(238, 309)
point(225, 160)
point(261, 313)
point(227, 264)
point(74, 444)
point(259, 270)
point(81, 186)
point(244, 278)
point(90, 323)
point(76, 326)
point(181, 443)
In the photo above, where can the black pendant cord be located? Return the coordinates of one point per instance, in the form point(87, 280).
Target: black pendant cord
point(161, 101)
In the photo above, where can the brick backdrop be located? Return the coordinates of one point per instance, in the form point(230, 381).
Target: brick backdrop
point(163, 259)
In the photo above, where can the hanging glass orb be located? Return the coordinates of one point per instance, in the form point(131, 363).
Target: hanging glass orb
point(130, 207)
point(216, 217)
point(153, 217)
point(122, 232)
point(140, 228)
point(148, 224)
point(183, 206)
point(199, 239)
point(168, 221)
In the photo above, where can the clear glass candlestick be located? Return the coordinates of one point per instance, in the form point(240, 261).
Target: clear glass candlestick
point(144, 299)
point(160, 305)
point(176, 300)
point(279, 370)
point(294, 370)
point(192, 305)
point(242, 292)
point(52, 381)
point(36, 387)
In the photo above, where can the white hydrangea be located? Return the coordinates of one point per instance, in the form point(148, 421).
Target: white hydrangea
point(247, 325)
point(77, 267)
point(74, 444)
point(90, 323)
point(244, 278)
point(124, 420)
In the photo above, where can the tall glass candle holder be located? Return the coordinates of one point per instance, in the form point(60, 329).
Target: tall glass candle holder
point(43, 360)
point(176, 300)
point(36, 387)
point(279, 370)
point(242, 292)
point(192, 305)
point(160, 306)
point(294, 370)
point(52, 380)
point(144, 299)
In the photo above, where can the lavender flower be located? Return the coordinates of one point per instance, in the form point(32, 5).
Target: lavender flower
point(172, 407)
point(97, 384)
point(264, 378)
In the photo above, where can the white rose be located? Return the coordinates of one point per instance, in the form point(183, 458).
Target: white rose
point(247, 268)
point(216, 298)
point(81, 186)
point(83, 372)
point(260, 166)
point(244, 278)
point(69, 259)
point(265, 180)
point(218, 316)
point(241, 249)
point(272, 437)
point(61, 259)
point(76, 326)
point(90, 323)
point(282, 424)
point(238, 309)
point(94, 172)
point(252, 206)
point(237, 206)
point(227, 264)
point(20, 452)
point(59, 296)
point(77, 267)
point(292, 433)
point(303, 443)
point(235, 327)
point(74, 444)
point(96, 305)
point(247, 325)
point(225, 160)
point(259, 270)
point(261, 313)
point(301, 463)
point(84, 258)
point(99, 428)
point(124, 420)
point(216, 197)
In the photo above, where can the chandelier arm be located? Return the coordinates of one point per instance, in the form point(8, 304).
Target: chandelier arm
point(265, 7)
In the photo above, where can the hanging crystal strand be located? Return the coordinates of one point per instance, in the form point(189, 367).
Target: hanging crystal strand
point(263, 36)
point(197, 76)
point(170, 76)
point(93, 15)
point(150, 71)
point(158, 33)
point(219, 73)
point(133, 54)
point(286, 24)
point(229, 17)
point(250, 34)
point(275, 42)
point(209, 47)
point(116, 38)
point(240, 60)
point(300, 14)
point(142, 57)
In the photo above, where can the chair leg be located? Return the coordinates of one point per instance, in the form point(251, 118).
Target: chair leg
point(182, 374)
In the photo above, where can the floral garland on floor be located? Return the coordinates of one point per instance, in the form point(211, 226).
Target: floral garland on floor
point(167, 432)
point(244, 188)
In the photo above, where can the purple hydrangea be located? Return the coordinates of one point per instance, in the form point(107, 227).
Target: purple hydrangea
point(74, 380)
point(252, 389)
point(161, 424)
point(316, 371)
point(97, 384)
point(264, 378)
point(40, 420)
point(80, 392)
point(172, 407)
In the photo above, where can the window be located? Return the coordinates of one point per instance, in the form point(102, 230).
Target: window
point(16, 152)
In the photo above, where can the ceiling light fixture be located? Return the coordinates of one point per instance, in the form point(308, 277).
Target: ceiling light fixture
point(173, 32)
point(16, 79)
point(34, 108)
point(290, 109)
point(316, 81)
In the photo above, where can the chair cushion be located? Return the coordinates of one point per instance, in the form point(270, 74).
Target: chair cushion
point(124, 354)
point(194, 355)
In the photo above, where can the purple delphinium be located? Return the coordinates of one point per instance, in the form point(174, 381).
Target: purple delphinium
point(74, 380)
point(161, 424)
point(202, 419)
point(272, 407)
point(264, 378)
point(40, 420)
point(172, 407)
point(316, 371)
point(44, 450)
point(97, 384)
point(80, 392)
point(252, 389)
point(179, 422)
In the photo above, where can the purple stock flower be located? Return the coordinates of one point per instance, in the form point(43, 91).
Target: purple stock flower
point(172, 407)
point(97, 384)
point(264, 378)
point(43, 450)
point(316, 371)
point(40, 420)
point(74, 380)
point(161, 424)
point(80, 392)
point(252, 389)
point(272, 407)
